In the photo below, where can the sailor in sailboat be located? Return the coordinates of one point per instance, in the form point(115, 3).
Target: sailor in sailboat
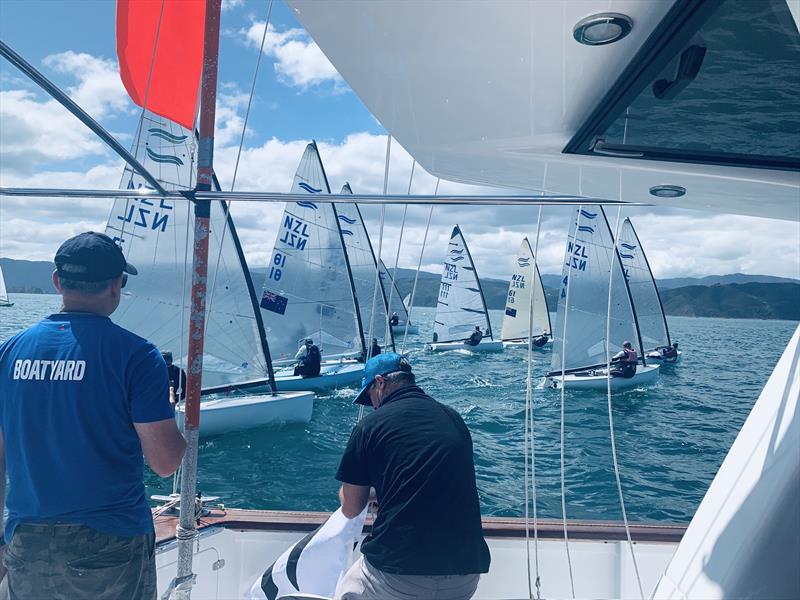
point(625, 361)
point(394, 321)
point(308, 359)
point(375, 349)
point(475, 337)
point(177, 378)
point(541, 340)
point(669, 353)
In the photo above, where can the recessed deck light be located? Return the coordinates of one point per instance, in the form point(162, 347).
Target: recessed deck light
point(602, 29)
point(667, 191)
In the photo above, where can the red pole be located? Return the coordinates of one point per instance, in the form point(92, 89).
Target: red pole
point(186, 531)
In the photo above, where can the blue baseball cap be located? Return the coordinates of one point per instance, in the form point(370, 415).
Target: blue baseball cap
point(91, 256)
point(382, 364)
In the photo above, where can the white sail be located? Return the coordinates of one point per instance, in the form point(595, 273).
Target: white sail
point(525, 280)
point(642, 284)
point(3, 291)
point(361, 257)
point(393, 294)
point(460, 306)
point(308, 292)
point(153, 236)
point(589, 257)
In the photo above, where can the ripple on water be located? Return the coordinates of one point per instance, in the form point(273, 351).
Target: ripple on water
point(671, 438)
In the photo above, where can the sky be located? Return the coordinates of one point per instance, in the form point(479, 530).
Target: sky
point(299, 96)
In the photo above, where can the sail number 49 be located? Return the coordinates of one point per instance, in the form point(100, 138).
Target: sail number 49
point(278, 262)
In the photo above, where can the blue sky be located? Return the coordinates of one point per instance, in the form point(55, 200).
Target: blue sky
point(299, 96)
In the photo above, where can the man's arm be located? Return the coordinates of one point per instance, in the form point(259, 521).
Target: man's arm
point(300, 353)
point(162, 444)
point(353, 499)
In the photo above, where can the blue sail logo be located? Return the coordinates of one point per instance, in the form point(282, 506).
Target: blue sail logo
point(347, 220)
point(588, 215)
point(631, 256)
point(524, 261)
point(307, 204)
point(166, 135)
point(308, 188)
point(170, 138)
point(586, 228)
point(163, 158)
point(628, 246)
point(346, 232)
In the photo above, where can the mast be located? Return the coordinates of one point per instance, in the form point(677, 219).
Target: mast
point(478, 281)
point(627, 287)
point(652, 278)
point(186, 531)
point(359, 324)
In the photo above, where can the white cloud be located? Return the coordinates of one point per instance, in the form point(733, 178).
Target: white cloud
point(39, 131)
point(228, 5)
point(298, 60)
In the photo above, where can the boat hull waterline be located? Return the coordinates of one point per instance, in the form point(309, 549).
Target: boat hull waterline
point(594, 380)
point(523, 345)
point(487, 346)
point(657, 358)
point(224, 415)
point(331, 377)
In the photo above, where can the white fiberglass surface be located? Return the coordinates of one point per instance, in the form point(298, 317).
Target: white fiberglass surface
point(601, 569)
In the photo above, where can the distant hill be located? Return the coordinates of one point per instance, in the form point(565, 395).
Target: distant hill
point(28, 276)
point(735, 300)
point(733, 296)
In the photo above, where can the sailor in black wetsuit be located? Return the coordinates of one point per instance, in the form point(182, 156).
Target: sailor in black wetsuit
point(625, 362)
point(308, 360)
point(177, 377)
point(541, 340)
point(475, 338)
point(375, 349)
point(394, 321)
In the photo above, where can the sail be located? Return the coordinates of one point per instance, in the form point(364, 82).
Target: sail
point(308, 292)
point(649, 311)
point(362, 266)
point(3, 290)
point(525, 280)
point(153, 235)
point(589, 257)
point(393, 293)
point(461, 305)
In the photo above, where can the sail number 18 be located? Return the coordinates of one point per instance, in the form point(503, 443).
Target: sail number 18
point(278, 262)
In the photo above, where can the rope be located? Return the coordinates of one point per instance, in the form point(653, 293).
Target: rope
point(416, 275)
point(378, 260)
point(530, 430)
point(397, 255)
point(561, 444)
point(610, 412)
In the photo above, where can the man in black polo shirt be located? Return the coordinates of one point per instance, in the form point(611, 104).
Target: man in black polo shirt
point(427, 540)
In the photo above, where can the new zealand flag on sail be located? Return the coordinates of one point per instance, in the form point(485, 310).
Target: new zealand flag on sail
point(274, 302)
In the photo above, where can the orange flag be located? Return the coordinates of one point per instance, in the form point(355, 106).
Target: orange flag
point(161, 63)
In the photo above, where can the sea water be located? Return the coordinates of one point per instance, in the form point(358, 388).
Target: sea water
point(670, 438)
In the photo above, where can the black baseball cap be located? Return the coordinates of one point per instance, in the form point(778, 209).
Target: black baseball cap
point(91, 256)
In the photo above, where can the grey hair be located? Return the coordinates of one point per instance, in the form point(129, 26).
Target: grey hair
point(400, 378)
point(88, 288)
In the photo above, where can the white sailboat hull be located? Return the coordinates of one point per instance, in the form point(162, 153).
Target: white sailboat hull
point(647, 375)
point(332, 376)
point(401, 329)
point(656, 357)
point(6, 304)
point(523, 345)
point(224, 415)
point(485, 346)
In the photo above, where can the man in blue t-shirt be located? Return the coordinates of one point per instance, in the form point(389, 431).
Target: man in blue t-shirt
point(81, 401)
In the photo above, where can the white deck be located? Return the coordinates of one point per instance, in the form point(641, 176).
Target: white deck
point(601, 569)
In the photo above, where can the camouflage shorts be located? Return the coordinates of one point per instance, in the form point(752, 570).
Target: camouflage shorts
point(60, 560)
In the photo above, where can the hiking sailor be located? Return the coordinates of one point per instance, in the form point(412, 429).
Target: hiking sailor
point(394, 321)
point(308, 360)
point(669, 353)
point(82, 401)
point(415, 452)
point(625, 362)
point(375, 349)
point(475, 337)
point(541, 340)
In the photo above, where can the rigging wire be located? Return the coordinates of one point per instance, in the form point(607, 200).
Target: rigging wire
point(561, 444)
point(419, 266)
point(226, 211)
point(378, 260)
point(397, 255)
point(610, 412)
point(530, 429)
